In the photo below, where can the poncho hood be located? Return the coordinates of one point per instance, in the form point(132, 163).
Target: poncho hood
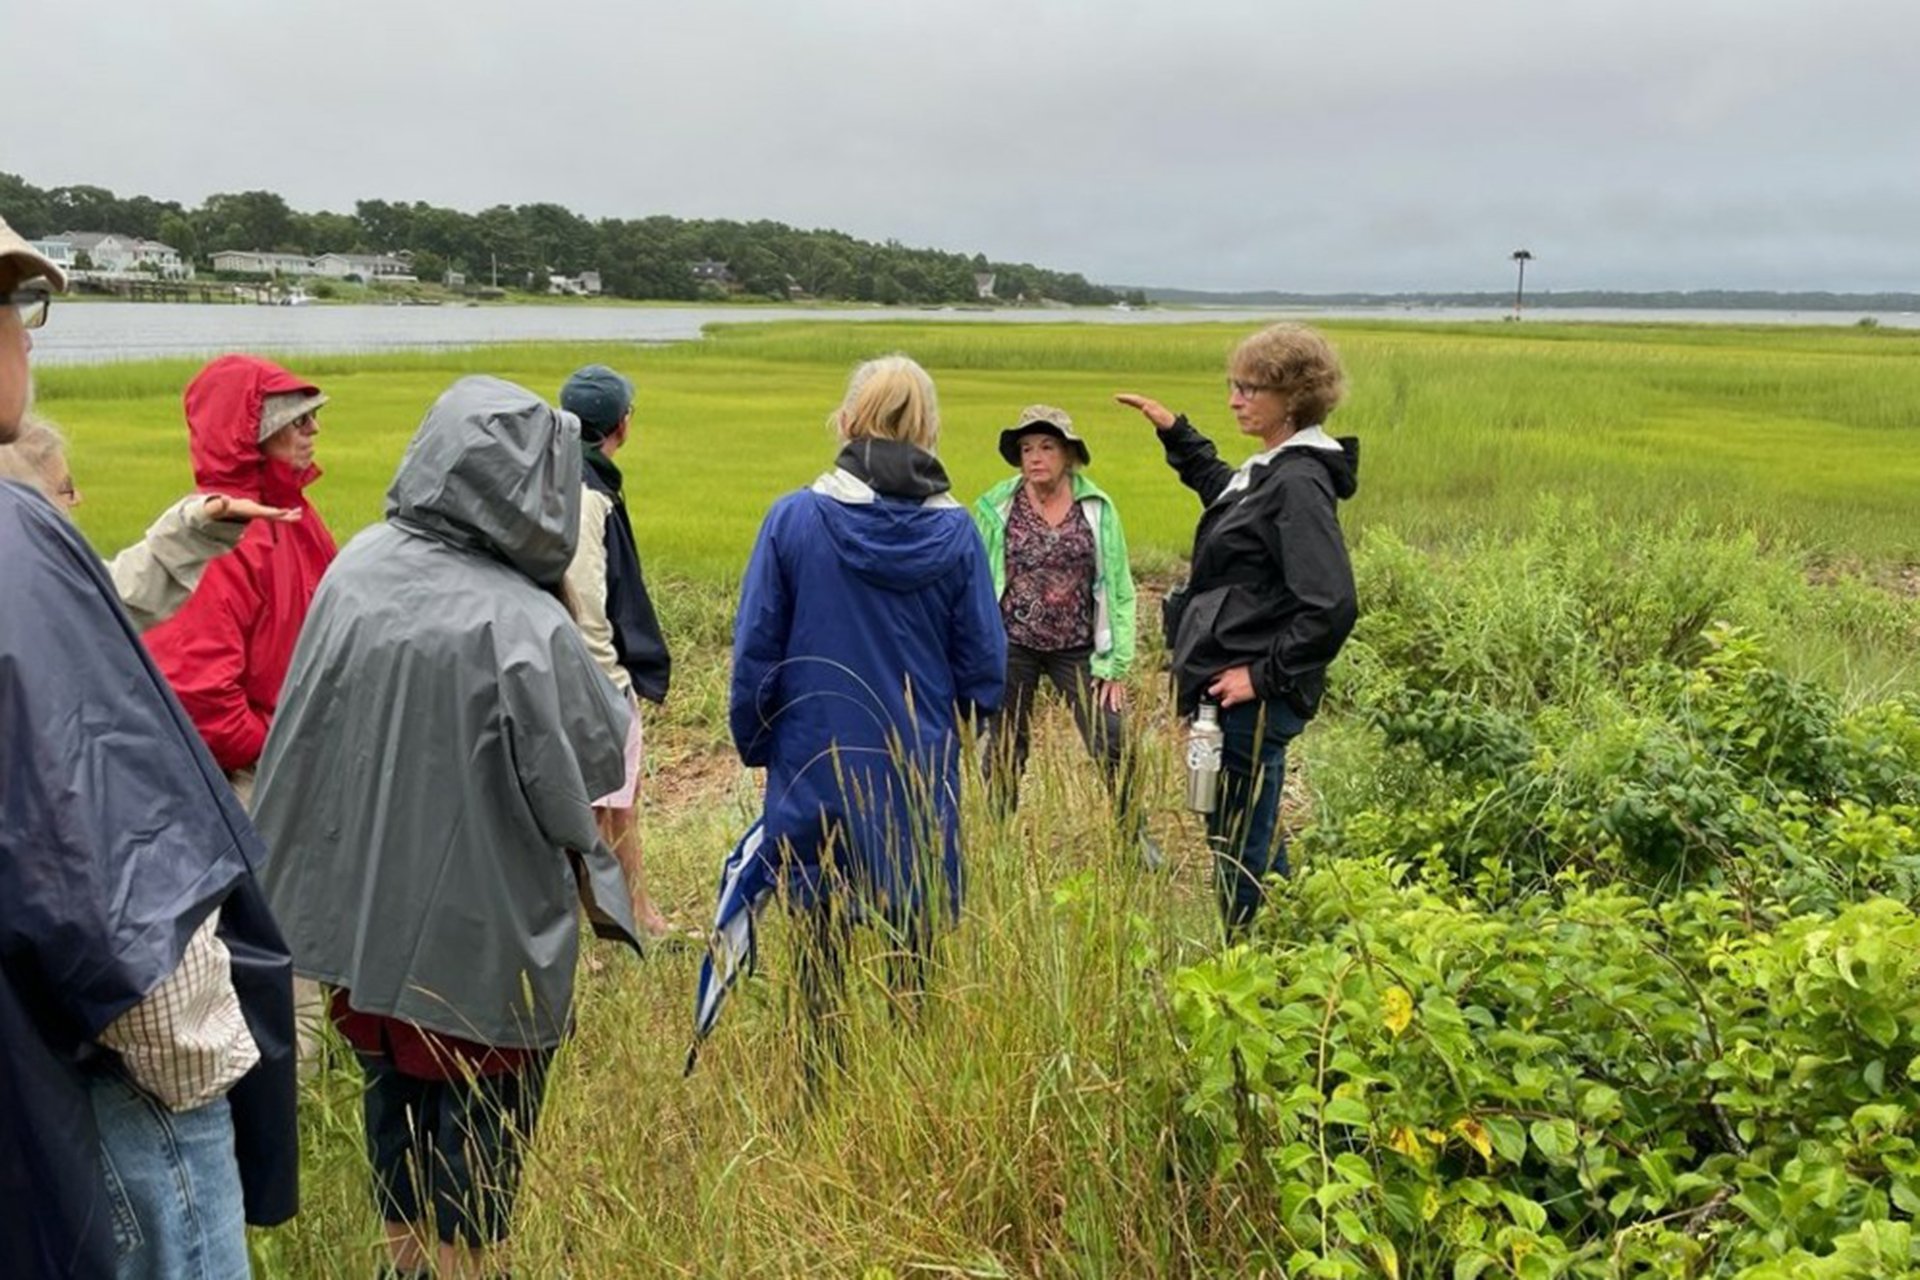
point(493, 468)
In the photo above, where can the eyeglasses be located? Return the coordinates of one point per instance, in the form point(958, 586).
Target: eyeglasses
point(32, 302)
point(1247, 390)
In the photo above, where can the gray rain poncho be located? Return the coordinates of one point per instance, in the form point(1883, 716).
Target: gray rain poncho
point(440, 736)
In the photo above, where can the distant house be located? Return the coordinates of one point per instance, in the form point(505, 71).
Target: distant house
point(374, 268)
point(257, 262)
point(711, 271)
point(113, 254)
point(983, 285)
point(584, 285)
point(454, 279)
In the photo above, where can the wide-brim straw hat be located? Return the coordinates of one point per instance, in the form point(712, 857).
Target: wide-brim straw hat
point(1046, 420)
point(28, 262)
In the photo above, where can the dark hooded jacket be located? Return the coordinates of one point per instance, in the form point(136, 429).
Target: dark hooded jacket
point(118, 836)
point(226, 651)
point(1271, 586)
point(867, 628)
point(441, 737)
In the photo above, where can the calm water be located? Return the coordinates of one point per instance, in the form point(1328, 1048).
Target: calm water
point(82, 334)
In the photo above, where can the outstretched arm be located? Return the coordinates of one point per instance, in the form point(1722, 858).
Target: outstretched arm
point(1189, 453)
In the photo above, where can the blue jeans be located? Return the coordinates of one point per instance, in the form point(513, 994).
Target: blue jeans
point(173, 1183)
point(1244, 827)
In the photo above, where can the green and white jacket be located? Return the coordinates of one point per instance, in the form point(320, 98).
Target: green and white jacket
point(1113, 628)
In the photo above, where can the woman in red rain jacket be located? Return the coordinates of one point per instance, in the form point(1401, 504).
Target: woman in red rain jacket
point(251, 426)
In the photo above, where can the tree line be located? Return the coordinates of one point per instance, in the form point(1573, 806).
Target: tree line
point(648, 257)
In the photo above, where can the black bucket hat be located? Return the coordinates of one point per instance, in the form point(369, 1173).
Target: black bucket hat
point(1046, 420)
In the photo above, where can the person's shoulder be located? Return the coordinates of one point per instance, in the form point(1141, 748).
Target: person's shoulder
point(594, 502)
point(1301, 471)
point(1087, 489)
point(794, 505)
point(997, 495)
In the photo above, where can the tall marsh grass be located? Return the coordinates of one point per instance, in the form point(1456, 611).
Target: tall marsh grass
point(1030, 1122)
point(1801, 437)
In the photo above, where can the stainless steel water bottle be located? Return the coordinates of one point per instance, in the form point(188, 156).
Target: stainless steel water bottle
point(1204, 741)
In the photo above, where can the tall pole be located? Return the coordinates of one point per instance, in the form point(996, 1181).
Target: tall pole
point(1522, 257)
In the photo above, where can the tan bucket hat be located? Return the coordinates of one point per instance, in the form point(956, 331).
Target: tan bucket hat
point(1047, 420)
point(27, 262)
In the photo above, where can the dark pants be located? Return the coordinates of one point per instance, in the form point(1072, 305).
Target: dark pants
point(450, 1151)
point(823, 940)
point(1244, 827)
point(1010, 733)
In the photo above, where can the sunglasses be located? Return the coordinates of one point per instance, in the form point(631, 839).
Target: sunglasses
point(1248, 390)
point(32, 301)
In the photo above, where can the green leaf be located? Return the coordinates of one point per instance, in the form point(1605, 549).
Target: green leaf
point(1470, 1265)
point(1351, 1111)
point(1601, 1102)
point(1557, 1139)
point(1524, 1211)
point(1351, 1227)
point(1509, 1138)
point(1906, 1196)
point(1879, 1025)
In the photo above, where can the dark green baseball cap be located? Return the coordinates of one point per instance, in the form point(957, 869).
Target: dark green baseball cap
point(599, 397)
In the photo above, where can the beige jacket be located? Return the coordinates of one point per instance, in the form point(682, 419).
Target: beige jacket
point(587, 584)
point(155, 575)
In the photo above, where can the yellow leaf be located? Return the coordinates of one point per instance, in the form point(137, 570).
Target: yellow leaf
point(1396, 1009)
point(1474, 1134)
point(1430, 1206)
point(1389, 1258)
point(1406, 1142)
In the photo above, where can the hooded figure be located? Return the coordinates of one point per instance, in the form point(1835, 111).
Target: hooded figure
point(443, 732)
point(118, 839)
point(226, 652)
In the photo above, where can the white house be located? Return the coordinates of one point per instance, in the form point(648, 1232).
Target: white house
point(266, 264)
point(584, 285)
point(370, 267)
point(116, 255)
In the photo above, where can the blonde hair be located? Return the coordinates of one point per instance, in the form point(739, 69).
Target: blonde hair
point(1298, 364)
point(891, 398)
point(32, 457)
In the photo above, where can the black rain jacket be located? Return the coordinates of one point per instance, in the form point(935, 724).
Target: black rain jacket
point(1271, 586)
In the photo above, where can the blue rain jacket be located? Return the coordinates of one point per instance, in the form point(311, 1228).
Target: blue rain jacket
point(118, 836)
point(867, 629)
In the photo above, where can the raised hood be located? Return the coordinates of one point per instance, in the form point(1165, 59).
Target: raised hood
point(495, 469)
point(223, 430)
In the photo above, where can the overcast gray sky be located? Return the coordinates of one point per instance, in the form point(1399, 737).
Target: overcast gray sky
point(1224, 144)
